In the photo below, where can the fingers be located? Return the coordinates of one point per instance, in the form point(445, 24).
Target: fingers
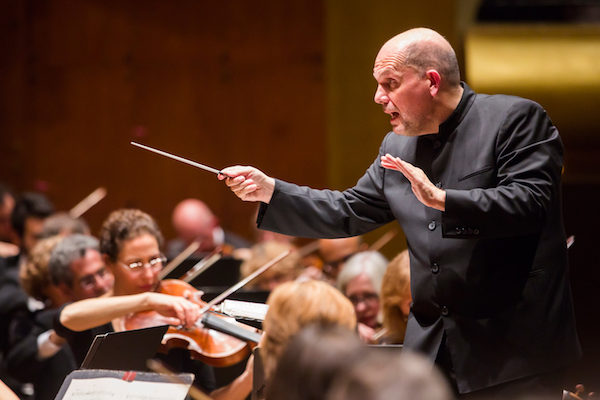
point(190, 313)
point(397, 164)
point(178, 310)
point(233, 172)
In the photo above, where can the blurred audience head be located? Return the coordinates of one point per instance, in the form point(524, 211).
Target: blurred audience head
point(77, 269)
point(294, 305)
point(360, 280)
point(384, 375)
point(335, 252)
point(28, 218)
point(283, 271)
point(311, 360)
point(396, 297)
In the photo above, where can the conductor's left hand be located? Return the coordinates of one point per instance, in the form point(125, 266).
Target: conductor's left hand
point(249, 183)
point(426, 192)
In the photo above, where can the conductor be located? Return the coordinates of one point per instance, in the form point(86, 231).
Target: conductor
point(474, 182)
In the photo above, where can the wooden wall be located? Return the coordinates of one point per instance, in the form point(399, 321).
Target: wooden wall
point(218, 82)
point(285, 86)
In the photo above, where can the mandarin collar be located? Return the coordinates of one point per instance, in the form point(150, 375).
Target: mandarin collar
point(450, 124)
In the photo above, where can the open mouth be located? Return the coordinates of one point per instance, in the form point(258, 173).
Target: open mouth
point(394, 115)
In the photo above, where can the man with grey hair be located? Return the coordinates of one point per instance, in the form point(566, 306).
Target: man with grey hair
point(38, 354)
point(77, 269)
point(474, 181)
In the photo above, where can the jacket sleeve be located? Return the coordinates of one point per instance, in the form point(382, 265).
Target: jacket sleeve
point(529, 156)
point(311, 213)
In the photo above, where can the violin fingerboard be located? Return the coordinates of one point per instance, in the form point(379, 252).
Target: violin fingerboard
point(219, 324)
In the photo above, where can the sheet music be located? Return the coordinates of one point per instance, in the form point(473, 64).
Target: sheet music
point(118, 389)
point(244, 309)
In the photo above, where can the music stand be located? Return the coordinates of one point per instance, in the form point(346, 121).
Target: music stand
point(127, 350)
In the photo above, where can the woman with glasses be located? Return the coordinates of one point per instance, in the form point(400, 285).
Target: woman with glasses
point(360, 281)
point(130, 243)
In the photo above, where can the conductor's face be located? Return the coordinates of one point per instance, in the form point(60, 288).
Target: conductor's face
point(404, 95)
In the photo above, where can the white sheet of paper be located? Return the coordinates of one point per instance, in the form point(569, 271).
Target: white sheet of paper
point(118, 389)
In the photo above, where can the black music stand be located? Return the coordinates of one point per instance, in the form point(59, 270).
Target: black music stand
point(127, 350)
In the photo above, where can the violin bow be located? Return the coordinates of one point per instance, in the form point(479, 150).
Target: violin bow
point(383, 240)
point(179, 259)
point(202, 265)
point(90, 201)
point(244, 281)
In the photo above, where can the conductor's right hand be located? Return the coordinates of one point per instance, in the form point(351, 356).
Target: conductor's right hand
point(248, 183)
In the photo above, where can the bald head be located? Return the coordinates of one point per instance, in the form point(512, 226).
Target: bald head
point(421, 49)
point(193, 219)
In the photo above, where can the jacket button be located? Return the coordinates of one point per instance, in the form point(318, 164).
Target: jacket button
point(476, 231)
point(431, 225)
point(438, 185)
point(457, 230)
point(445, 311)
point(463, 231)
point(435, 268)
point(437, 144)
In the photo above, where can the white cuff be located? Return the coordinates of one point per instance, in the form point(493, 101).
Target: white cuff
point(46, 348)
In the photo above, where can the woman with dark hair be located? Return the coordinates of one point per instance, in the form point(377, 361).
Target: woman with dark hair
point(130, 243)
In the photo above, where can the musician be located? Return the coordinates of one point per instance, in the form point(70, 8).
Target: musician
point(130, 244)
point(396, 298)
point(474, 181)
point(360, 281)
point(294, 305)
point(192, 220)
point(37, 354)
point(27, 220)
point(284, 271)
point(61, 223)
point(335, 252)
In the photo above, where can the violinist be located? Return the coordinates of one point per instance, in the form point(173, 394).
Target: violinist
point(286, 270)
point(130, 243)
point(360, 281)
point(193, 220)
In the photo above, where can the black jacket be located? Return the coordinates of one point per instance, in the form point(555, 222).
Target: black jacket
point(491, 272)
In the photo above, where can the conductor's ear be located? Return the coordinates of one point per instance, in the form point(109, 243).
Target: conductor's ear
point(435, 81)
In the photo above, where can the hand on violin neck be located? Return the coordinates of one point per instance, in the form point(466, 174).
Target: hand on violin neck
point(249, 183)
point(177, 310)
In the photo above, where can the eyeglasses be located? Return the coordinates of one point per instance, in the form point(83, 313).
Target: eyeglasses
point(369, 299)
point(155, 263)
point(89, 281)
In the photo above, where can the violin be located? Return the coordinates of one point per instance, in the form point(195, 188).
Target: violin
point(206, 341)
